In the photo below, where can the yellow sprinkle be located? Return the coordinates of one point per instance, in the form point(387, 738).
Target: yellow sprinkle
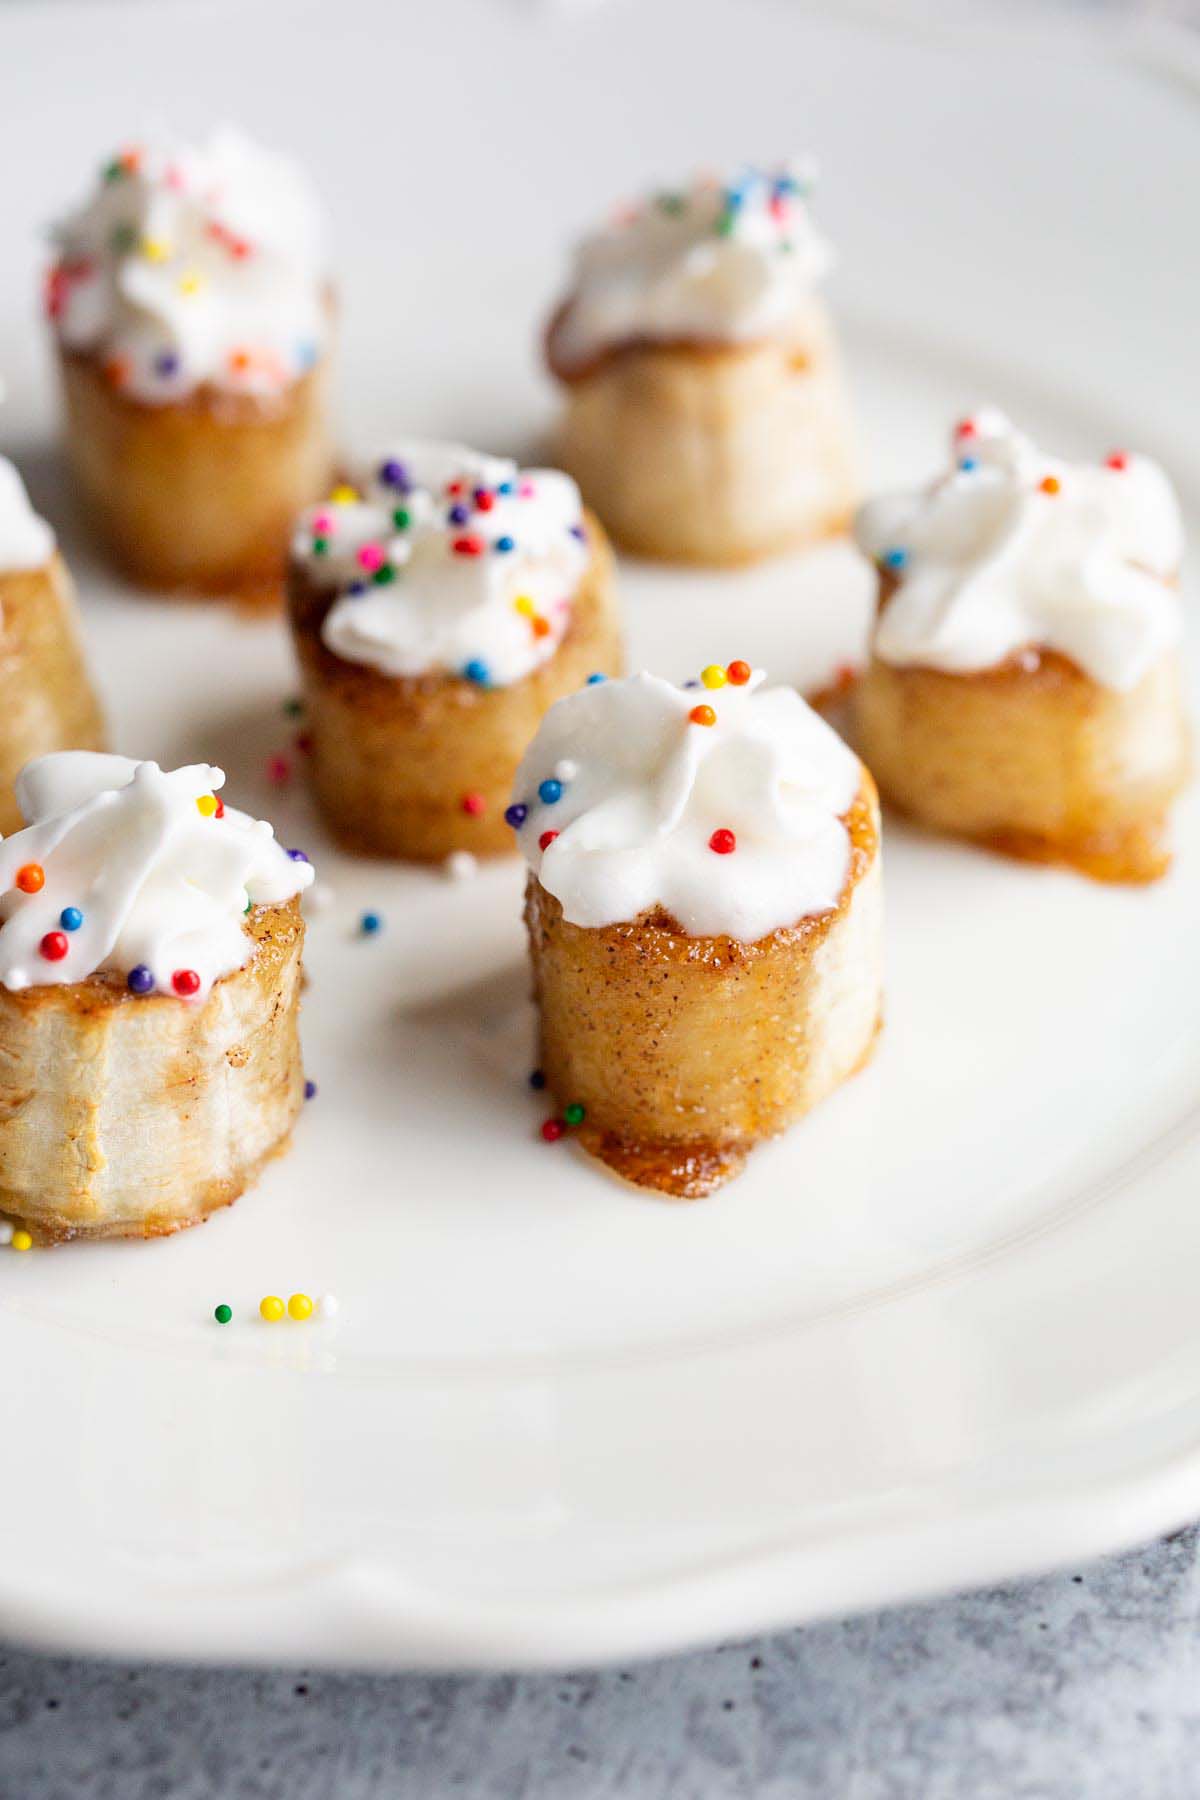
point(155, 249)
point(714, 676)
point(207, 804)
point(300, 1306)
point(343, 495)
point(21, 1240)
point(191, 283)
point(524, 605)
point(271, 1308)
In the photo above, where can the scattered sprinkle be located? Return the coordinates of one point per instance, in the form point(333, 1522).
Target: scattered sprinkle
point(329, 1305)
point(300, 1307)
point(207, 805)
point(343, 495)
point(476, 671)
point(702, 715)
point(6, 1234)
point(1050, 484)
point(469, 544)
point(594, 678)
point(714, 676)
point(474, 804)
point(279, 770)
point(370, 923)
point(546, 839)
point(310, 1090)
point(895, 558)
point(54, 946)
point(319, 897)
point(70, 918)
point(504, 545)
point(566, 770)
point(298, 855)
point(185, 982)
point(537, 1080)
point(739, 673)
point(516, 815)
point(1119, 459)
point(460, 865)
point(574, 1114)
point(967, 464)
point(272, 1308)
point(222, 1314)
point(722, 841)
point(139, 979)
point(31, 878)
point(552, 1130)
point(549, 791)
point(21, 1240)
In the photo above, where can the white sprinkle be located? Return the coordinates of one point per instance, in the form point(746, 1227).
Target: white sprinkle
point(566, 770)
point(6, 1232)
point(460, 865)
point(328, 1306)
point(318, 898)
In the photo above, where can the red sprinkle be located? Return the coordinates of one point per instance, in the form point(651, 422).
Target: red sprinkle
point(965, 428)
point(54, 946)
point(722, 841)
point(552, 1130)
point(739, 673)
point(546, 839)
point(278, 769)
point(220, 812)
point(185, 981)
point(303, 742)
point(484, 500)
point(474, 803)
point(1118, 460)
point(468, 545)
point(454, 487)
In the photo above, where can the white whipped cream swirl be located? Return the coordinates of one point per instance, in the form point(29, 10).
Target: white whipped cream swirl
point(26, 541)
point(1014, 550)
point(447, 561)
point(127, 866)
point(194, 265)
point(641, 802)
point(710, 261)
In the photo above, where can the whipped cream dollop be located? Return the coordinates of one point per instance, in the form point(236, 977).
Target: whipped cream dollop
point(712, 261)
point(192, 265)
point(26, 541)
point(127, 866)
point(447, 561)
point(722, 804)
point(1014, 550)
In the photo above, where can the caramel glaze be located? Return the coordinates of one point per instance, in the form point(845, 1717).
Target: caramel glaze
point(690, 1168)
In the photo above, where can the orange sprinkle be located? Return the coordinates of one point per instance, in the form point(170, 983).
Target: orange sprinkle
point(702, 715)
point(116, 370)
point(739, 673)
point(541, 627)
point(1050, 484)
point(31, 878)
point(239, 361)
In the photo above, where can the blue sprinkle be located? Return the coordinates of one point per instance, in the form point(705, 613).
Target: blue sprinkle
point(593, 679)
point(896, 558)
point(70, 918)
point(506, 487)
point(310, 1090)
point(688, 684)
point(476, 671)
point(297, 855)
point(139, 979)
point(458, 514)
point(505, 544)
point(516, 815)
point(166, 365)
point(577, 531)
point(549, 791)
point(306, 354)
point(370, 923)
point(537, 1080)
point(357, 589)
point(967, 464)
point(394, 475)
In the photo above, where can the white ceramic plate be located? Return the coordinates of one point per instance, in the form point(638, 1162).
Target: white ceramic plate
point(946, 1331)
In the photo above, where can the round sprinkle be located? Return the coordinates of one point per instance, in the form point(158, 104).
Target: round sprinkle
point(279, 770)
point(484, 500)
point(186, 982)
point(1050, 484)
point(166, 365)
point(505, 487)
point(272, 1308)
point(320, 545)
point(222, 1314)
point(370, 923)
point(343, 495)
point(574, 1114)
point(21, 1240)
point(474, 804)
point(297, 855)
point(139, 979)
point(458, 514)
point(597, 677)
point(895, 558)
point(329, 1306)
point(505, 544)
point(541, 627)
point(1118, 460)
point(566, 770)
point(723, 842)
point(546, 839)
point(70, 918)
point(371, 557)
point(310, 1090)
point(967, 464)
point(207, 804)
point(516, 815)
point(31, 878)
point(552, 1130)
point(524, 605)
point(6, 1233)
point(739, 673)
point(714, 676)
point(966, 428)
point(477, 671)
point(394, 474)
point(537, 1080)
point(549, 791)
point(702, 715)
point(54, 946)
point(383, 575)
point(470, 544)
point(402, 518)
point(460, 865)
point(300, 1307)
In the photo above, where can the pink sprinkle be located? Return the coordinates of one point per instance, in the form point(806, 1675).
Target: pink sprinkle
point(279, 770)
point(322, 523)
point(527, 490)
point(371, 557)
point(174, 177)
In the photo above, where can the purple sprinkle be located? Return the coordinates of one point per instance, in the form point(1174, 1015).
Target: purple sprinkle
point(395, 475)
point(166, 365)
point(577, 531)
point(688, 684)
point(458, 515)
point(516, 815)
point(139, 979)
point(356, 589)
point(310, 1090)
point(297, 855)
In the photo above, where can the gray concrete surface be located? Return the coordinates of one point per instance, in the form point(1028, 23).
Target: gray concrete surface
point(1082, 1686)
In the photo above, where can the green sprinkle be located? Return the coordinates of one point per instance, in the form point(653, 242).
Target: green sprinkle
point(726, 222)
point(123, 239)
point(574, 1114)
point(292, 709)
point(320, 546)
point(223, 1314)
point(671, 203)
point(401, 518)
point(383, 574)
point(248, 907)
point(113, 171)
point(786, 244)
